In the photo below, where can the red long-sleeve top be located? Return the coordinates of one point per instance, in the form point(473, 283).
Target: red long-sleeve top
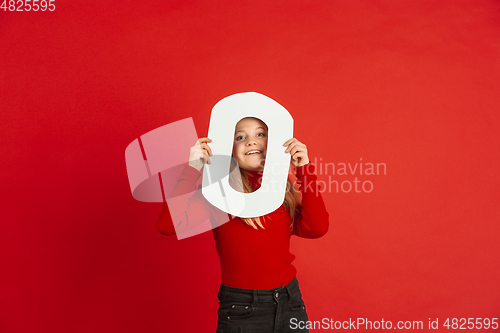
point(250, 258)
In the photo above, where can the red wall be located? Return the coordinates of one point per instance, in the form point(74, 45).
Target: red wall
point(412, 84)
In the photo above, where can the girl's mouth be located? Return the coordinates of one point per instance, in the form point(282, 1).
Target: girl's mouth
point(253, 152)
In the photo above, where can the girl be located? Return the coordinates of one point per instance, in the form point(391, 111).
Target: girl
point(259, 290)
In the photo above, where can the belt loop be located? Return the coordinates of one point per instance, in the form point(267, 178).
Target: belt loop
point(289, 292)
point(255, 297)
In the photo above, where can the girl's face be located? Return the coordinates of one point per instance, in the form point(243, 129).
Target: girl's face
point(250, 144)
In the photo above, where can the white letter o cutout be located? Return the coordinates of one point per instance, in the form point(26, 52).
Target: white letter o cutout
point(225, 115)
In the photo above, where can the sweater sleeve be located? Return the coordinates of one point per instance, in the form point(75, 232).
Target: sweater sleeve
point(190, 210)
point(311, 220)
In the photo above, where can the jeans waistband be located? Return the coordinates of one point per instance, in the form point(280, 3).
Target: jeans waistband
point(256, 295)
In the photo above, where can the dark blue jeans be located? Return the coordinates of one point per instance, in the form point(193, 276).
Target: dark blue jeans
point(277, 310)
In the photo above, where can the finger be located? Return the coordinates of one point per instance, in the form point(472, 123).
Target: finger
point(203, 158)
point(294, 145)
point(207, 158)
point(290, 146)
point(206, 147)
point(299, 155)
point(301, 148)
point(294, 150)
point(288, 142)
point(204, 140)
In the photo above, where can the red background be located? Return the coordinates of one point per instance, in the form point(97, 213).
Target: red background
point(412, 84)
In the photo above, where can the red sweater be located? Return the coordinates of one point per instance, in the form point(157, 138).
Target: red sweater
point(250, 258)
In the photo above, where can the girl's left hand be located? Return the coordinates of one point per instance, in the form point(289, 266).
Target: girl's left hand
point(298, 150)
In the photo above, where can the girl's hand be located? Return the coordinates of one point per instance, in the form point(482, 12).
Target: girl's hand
point(298, 150)
point(198, 154)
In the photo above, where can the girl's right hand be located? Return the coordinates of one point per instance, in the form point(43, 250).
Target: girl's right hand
point(199, 153)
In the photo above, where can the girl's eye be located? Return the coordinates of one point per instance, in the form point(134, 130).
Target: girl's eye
point(239, 138)
point(261, 135)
